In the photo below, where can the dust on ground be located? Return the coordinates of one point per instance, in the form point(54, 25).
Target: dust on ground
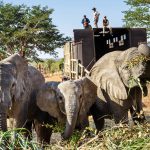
point(57, 77)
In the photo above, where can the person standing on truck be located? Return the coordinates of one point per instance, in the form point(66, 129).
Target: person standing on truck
point(96, 15)
point(106, 25)
point(85, 22)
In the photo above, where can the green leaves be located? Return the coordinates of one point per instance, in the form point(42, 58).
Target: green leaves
point(138, 14)
point(28, 29)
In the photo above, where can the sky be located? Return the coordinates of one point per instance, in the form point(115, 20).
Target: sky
point(68, 14)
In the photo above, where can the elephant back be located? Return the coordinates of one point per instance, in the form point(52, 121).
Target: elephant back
point(36, 77)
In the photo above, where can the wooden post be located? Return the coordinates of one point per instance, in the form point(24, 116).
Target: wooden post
point(77, 69)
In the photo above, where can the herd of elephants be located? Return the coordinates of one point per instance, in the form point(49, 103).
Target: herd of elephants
point(115, 86)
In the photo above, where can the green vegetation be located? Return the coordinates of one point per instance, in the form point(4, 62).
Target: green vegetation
point(136, 60)
point(28, 29)
point(8, 141)
point(121, 137)
point(138, 14)
point(116, 138)
point(50, 66)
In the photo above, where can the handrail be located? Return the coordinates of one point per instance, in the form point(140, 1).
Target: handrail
point(77, 69)
point(90, 62)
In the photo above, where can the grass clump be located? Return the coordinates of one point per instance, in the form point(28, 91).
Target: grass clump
point(116, 138)
point(15, 140)
point(120, 137)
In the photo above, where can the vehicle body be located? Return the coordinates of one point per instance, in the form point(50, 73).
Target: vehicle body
point(89, 45)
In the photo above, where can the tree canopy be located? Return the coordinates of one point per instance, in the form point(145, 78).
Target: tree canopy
point(28, 29)
point(138, 14)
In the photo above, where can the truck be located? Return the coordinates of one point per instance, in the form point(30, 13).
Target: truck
point(89, 45)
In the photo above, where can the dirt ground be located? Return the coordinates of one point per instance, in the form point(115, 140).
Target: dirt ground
point(53, 78)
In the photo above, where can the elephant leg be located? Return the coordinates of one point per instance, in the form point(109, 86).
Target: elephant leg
point(82, 121)
point(28, 127)
point(43, 133)
point(137, 116)
point(136, 109)
point(121, 117)
point(22, 121)
point(98, 115)
point(3, 118)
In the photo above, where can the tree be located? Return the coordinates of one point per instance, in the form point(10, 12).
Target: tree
point(48, 63)
point(138, 14)
point(28, 29)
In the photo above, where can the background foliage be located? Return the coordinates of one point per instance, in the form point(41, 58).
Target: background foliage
point(138, 14)
point(28, 29)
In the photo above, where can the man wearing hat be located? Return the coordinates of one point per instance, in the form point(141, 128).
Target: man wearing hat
point(106, 25)
point(96, 17)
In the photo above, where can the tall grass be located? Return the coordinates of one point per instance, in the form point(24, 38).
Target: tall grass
point(15, 140)
point(121, 137)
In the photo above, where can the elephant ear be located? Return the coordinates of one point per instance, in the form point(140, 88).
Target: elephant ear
point(46, 100)
point(89, 91)
point(20, 75)
point(115, 80)
point(61, 103)
point(112, 83)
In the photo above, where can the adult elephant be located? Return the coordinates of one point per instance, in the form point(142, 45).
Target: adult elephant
point(69, 102)
point(18, 81)
point(119, 77)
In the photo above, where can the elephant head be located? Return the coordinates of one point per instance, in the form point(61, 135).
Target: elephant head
point(117, 74)
point(71, 99)
point(13, 71)
point(132, 63)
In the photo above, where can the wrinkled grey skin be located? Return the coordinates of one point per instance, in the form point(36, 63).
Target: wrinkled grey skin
point(18, 82)
point(69, 102)
point(116, 93)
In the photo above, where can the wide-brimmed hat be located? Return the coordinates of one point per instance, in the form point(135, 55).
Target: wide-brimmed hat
point(93, 8)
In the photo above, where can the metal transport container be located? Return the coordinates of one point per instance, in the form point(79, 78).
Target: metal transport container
point(89, 45)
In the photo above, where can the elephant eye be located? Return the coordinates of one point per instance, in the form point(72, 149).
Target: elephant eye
point(126, 67)
point(60, 97)
point(13, 85)
point(80, 96)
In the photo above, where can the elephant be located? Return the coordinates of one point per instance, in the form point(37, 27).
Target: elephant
point(119, 77)
point(19, 82)
point(69, 102)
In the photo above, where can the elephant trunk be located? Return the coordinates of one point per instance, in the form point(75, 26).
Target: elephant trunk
point(3, 117)
point(72, 109)
point(3, 122)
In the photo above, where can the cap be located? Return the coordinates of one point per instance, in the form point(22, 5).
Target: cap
point(93, 8)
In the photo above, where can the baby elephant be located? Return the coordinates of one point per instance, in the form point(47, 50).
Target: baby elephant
point(69, 102)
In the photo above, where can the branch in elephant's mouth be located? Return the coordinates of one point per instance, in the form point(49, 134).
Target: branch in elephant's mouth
point(135, 81)
point(136, 60)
